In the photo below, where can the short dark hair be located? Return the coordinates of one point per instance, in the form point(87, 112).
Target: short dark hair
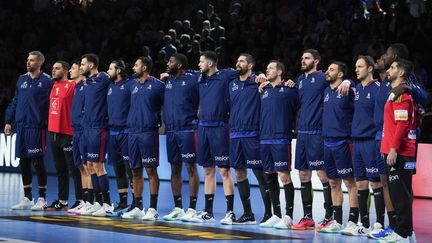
point(91, 57)
point(120, 64)
point(342, 67)
point(210, 55)
point(399, 50)
point(76, 62)
point(181, 58)
point(39, 55)
point(279, 66)
point(64, 64)
point(405, 65)
point(249, 58)
point(315, 54)
point(147, 61)
point(368, 60)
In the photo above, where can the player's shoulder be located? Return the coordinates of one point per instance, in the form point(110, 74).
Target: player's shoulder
point(404, 97)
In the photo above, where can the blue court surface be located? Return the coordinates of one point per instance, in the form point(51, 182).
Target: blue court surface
point(27, 226)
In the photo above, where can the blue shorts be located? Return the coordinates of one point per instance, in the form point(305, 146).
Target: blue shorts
point(181, 146)
point(338, 164)
point(276, 157)
point(364, 160)
point(245, 153)
point(143, 149)
point(213, 146)
point(78, 148)
point(117, 148)
point(94, 141)
point(309, 152)
point(382, 165)
point(30, 142)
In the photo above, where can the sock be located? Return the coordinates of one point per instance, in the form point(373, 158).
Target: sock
point(327, 200)
point(95, 182)
point(289, 199)
point(139, 203)
point(192, 202)
point(353, 215)
point(363, 197)
point(98, 197)
point(123, 198)
point(209, 203)
point(104, 188)
point(337, 213)
point(85, 195)
point(307, 199)
point(392, 219)
point(178, 202)
point(153, 201)
point(28, 193)
point(265, 193)
point(230, 203)
point(379, 205)
point(273, 184)
point(91, 196)
point(42, 192)
point(244, 191)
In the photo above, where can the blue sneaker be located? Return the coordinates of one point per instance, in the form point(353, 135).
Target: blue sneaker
point(381, 234)
point(118, 211)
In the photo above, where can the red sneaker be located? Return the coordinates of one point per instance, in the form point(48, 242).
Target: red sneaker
point(304, 224)
point(324, 223)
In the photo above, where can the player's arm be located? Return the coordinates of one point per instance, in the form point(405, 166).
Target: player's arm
point(10, 113)
point(344, 87)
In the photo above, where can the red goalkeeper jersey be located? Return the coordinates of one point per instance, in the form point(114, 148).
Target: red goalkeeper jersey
point(59, 116)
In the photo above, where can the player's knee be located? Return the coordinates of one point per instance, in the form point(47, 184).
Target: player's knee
point(334, 184)
point(305, 175)
point(137, 174)
point(209, 171)
point(191, 169)
point(241, 174)
point(225, 173)
point(176, 170)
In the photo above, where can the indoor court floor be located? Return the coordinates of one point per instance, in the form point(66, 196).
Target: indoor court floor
point(27, 226)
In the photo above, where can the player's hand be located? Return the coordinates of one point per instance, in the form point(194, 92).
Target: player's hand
point(399, 90)
point(344, 87)
point(391, 157)
point(8, 129)
point(290, 83)
point(262, 85)
point(260, 79)
point(164, 76)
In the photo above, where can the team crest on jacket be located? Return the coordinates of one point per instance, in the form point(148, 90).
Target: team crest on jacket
point(149, 87)
point(24, 85)
point(135, 90)
point(356, 95)
point(122, 87)
point(368, 96)
point(168, 85)
point(301, 84)
point(326, 98)
point(40, 85)
point(281, 89)
point(110, 91)
point(183, 83)
point(313, 80)
point(265, 95)
point(234, 87)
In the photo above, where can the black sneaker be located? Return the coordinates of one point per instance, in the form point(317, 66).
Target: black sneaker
point(57, 206)
point(245, 219)
point(265, 218)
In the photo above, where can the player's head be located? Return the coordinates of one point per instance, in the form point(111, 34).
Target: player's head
point(275, 70)
point(117, 70)
point(399, 69)
point(394, 52)
point(35, 60)
point(60, 70)
point(245, 63)
point(208, 61)
point(142, 66)
point(364, 67)
point(310, 60)
point(176, 63)
point(336, 71)
point(89, 62)
point(74, 71)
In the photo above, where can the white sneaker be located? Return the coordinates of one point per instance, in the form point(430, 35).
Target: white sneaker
point(190, 213)
point(394, 237)
point(102, 212)
point(333, 227)
point(362, 231)
point(350, 229)
point(413, 238)
point(86, 207)
point(285, 223)
point(151, 215)
point(202, 217)
point(377, 228)
point(40, 205)
point(228, 219)
point(271, 222)
point(76, 209)
point(175, 214)
point(24, 204)
point(135, 213)
point(89, 211)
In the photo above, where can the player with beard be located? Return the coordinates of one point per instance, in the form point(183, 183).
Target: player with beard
point(60, 136)
point(28, 111)
point(181, 101)
point(94, 123)
point(143, 121)
point(277, 120)
point(118, 100)
point(337, 118)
